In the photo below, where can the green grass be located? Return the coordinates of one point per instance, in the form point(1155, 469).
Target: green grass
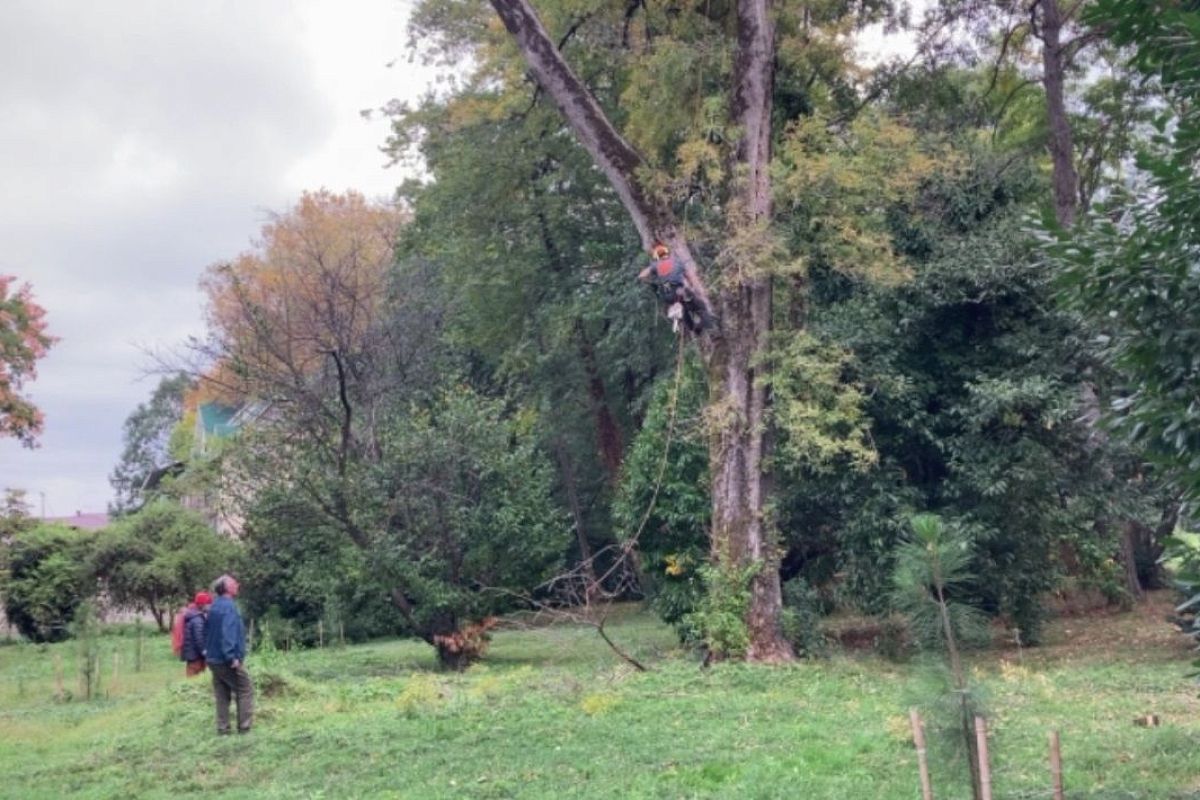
point(552, 713)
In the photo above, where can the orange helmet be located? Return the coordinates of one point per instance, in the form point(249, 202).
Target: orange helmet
point(659, 250)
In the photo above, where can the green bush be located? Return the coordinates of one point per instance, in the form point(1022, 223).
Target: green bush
point(46, 580)
point(802, 618)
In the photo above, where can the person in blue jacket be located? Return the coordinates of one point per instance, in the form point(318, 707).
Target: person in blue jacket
point(225, 651)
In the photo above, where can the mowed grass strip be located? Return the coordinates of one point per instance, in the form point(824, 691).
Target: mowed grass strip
point(553, 714)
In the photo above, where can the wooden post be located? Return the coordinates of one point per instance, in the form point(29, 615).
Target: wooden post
point(1056, 766)
point(138, 654)
point(985, 771)
point(341, 635)
point(116, 676)
point(320, 633)
point(918, 729)
point(58, 677)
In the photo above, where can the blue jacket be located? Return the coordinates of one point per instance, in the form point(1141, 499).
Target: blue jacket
point(193, 635)
point(225, 638)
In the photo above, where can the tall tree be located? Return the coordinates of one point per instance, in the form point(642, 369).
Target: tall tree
point(1132, 265)
point(147, 436)
point(23, 341)
point(741, 537)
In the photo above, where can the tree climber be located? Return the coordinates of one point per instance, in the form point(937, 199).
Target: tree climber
point(668, 278)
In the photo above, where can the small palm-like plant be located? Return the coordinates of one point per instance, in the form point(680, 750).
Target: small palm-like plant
point(931, 571)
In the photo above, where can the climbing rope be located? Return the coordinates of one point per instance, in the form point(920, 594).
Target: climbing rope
point(672, 408)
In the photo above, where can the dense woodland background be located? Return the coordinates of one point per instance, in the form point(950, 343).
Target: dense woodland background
point(968, 288)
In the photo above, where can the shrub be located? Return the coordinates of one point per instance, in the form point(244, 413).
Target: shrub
point(46, 580)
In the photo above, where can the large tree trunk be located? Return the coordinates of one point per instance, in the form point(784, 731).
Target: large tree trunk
point(740, 487)
point(737, 452)
point(1062, 150)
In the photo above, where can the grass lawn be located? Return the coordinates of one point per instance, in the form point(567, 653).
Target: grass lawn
point(553, 714)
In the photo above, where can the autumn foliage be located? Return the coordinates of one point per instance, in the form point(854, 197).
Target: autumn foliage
point(311, 289)
point(23, 340)
point(466, 645)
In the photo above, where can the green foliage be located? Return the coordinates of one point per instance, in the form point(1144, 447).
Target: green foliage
point(673, 522)
point(1183, 552)
point(471, 524)
point(972, 383)
point(932, 572)
point(1130, 264)
point(85, 629)
point(554, 715)
point(46, 579)
point(818, 413)
point(148, 435)
point(159, 556)
point(450, 522)
point(306, 570)
point(719, 621)
point(801, 620)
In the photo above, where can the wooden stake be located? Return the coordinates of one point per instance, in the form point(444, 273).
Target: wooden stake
point(116, 676)
point(58, 677)
point(341, 635)
point(918, 730)
point(1056, 766)
point(320, 633)
point(985, 772)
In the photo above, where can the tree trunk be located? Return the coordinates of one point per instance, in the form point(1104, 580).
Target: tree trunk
point(740, 531)
point(160, 618)
point(570, 486)
point(740, 485)
point(1062, 151)
point(609, 441)
point(1133, 585)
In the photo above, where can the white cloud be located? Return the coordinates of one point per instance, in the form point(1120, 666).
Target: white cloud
point(140, 142)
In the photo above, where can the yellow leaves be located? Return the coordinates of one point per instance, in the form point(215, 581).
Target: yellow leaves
point(313, 284)
point(675, 565)
point(818, 409)
point(698, 157)
point(843, 183)
point(598, 703)
point(420, 695)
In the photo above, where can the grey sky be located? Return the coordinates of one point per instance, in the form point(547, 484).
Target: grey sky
point(141, 141)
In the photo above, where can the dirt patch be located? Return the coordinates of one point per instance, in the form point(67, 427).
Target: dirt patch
point(1141, 634)
point(1081, 629)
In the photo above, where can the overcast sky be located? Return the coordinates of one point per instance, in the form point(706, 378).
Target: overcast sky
point(141, 141)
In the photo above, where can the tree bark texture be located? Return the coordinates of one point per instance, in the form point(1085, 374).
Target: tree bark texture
point(740, 532)
point(1062, 150)
point(739, 490)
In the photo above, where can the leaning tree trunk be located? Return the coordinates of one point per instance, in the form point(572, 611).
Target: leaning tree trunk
point(737, 450)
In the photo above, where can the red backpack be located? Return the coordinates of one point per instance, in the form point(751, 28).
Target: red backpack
point(177, 633)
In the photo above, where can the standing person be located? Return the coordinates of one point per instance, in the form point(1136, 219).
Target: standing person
point(192, 647)
point(225, 650)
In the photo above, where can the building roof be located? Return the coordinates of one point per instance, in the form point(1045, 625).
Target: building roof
point(81, 521)
point(217, 419)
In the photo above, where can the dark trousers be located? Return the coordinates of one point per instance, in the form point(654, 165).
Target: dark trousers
point(232, 683)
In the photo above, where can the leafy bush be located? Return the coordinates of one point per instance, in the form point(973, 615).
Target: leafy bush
point(158, 557)
point(47, 579)
point(802, 618)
